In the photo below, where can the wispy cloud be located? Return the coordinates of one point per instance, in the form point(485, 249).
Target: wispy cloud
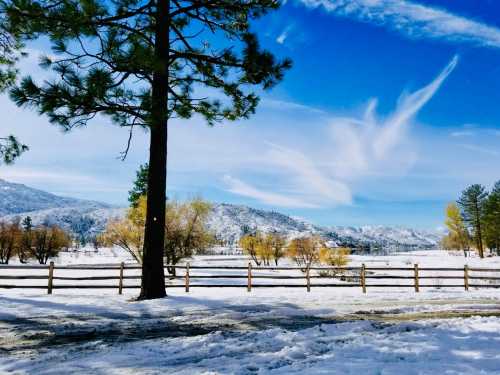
point(360, 147)
point(462, 133)
point(284, 35)
point(307, 186)
point(367, 145)
point(290, 106)
point(413, 19)
point(239, 187)
point(407, 108)
point(308, 176)
point(480, 149)
point(28, 175)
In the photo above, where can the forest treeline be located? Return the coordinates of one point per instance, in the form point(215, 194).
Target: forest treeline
point(473, 221)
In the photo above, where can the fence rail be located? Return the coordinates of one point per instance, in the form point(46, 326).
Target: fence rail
point(363, 277)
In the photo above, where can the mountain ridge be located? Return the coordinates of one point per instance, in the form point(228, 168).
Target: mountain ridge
point(86, 218)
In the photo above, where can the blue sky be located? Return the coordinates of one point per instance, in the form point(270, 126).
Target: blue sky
point(391, 109)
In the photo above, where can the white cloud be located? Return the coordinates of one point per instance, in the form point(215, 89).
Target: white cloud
point(413, 19)
point(284, 35)
point(365, 146)
point(239, 187)
point(462, 133)
point(290, 106)
point(28, 175)
point(408, 106)
point(309, 186)
point(308, 177)
point(480, 149)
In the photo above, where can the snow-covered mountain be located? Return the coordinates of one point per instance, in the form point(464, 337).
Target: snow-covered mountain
point(389, 236)
point(19, 198)
point(83, 218)
point(227, 221)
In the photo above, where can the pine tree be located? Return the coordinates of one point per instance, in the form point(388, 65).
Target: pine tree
point(27, 223)
point(10, 47)
point(141, 63)
point(472, 204)
point(11, 149)
point(140, 187)
point(25, 247)
point(492, 219)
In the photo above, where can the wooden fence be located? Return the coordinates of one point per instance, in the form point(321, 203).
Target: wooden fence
point(357, 277)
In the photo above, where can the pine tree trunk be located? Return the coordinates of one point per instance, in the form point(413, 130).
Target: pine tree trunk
point(153, 274)
point(479, 232)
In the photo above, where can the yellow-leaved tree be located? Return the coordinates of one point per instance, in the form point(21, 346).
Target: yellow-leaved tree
point(186, 232)
point(250, 244)
point(334, 257)
point(277, 244)
point(458, 237)
point(304, 251)
point(263, 249)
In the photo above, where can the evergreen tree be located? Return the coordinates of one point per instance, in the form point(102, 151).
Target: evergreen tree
point(140, 187)
point(27, 223)
point(492, 219)
point(10, 147)
point(472, 204)
point(10, 47)
point(141, 63)
point(25, 247)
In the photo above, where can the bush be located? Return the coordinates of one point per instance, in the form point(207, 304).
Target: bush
point(338, 257)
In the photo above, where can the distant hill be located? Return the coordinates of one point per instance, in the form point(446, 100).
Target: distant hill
point(385, 236)
point(19, 198)
point(84, 218)
point(227, 221)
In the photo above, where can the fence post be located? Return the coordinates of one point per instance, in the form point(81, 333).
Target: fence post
point(187, 277)
point(249, 286)
point(417, 284)
point(362, 277)
point(51, 276)
point(308, 280)
point(120, 281)
point(466, 277)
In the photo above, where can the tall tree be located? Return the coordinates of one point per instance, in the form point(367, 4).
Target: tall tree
point(10, 147)
point(492, 219)
point(143, 62)
point(472, 204)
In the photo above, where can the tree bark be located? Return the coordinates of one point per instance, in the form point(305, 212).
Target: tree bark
point(479, 231)
point(153, 274)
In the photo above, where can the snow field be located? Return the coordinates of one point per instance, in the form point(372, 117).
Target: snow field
point(268, 331)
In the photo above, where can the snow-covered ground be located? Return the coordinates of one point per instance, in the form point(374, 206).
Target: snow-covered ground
point(267, 331)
